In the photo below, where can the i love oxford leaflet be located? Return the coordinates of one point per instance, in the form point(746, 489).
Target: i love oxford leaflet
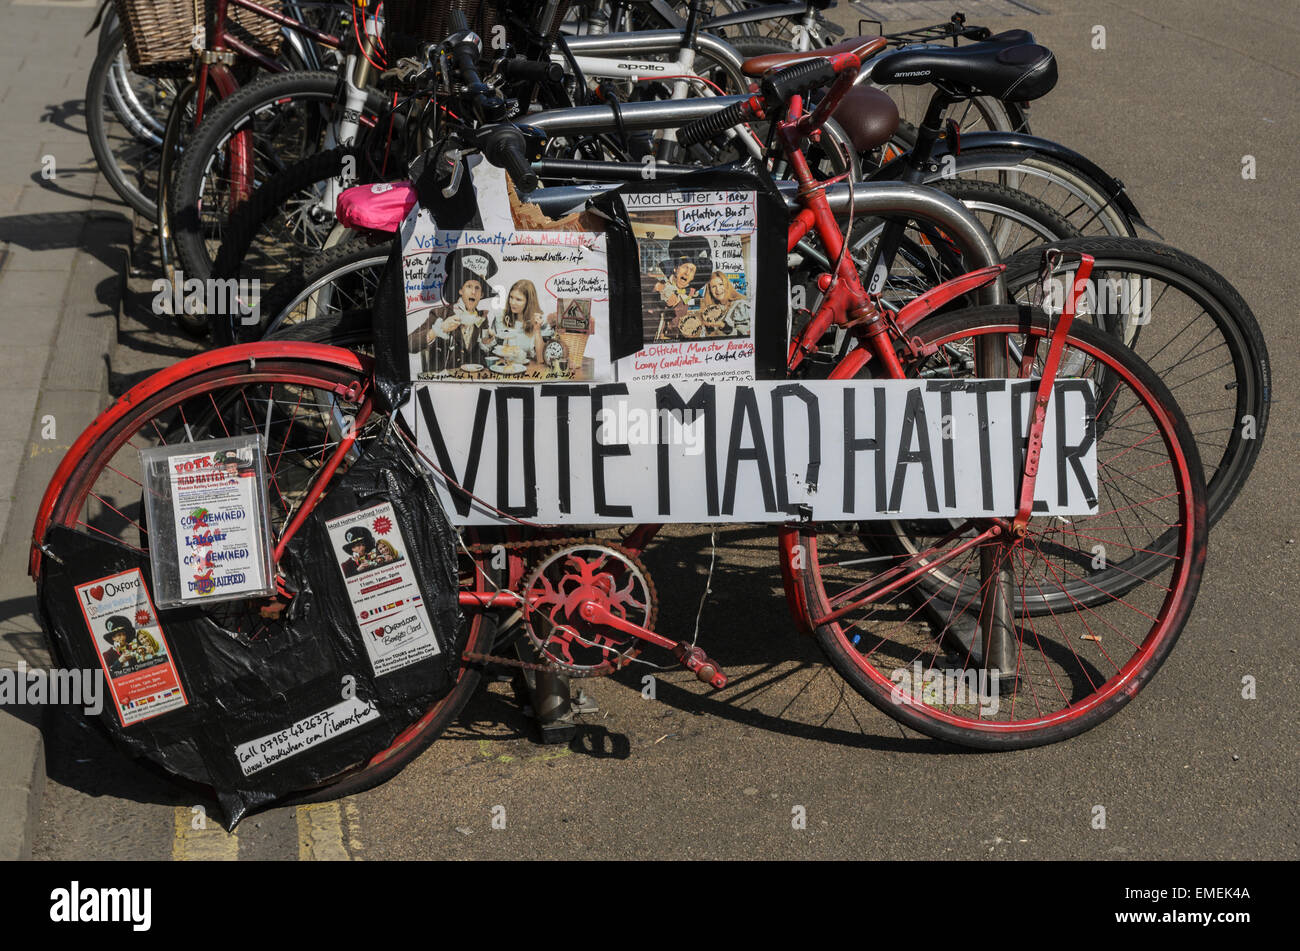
point(218, 537)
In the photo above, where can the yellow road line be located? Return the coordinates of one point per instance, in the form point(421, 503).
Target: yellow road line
point(209, 843)
point(321, 833)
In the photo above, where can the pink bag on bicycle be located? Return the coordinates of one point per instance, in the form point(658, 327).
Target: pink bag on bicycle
point(380, 207)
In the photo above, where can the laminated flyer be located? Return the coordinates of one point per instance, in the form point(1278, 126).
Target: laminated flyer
point(380, 583)
point(505, 306)
point(209, 535)
point(698, 269)
point(132, 649)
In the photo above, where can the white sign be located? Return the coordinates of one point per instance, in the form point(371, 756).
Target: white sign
point(386, 601)
point(308, 732)
point(770, 451)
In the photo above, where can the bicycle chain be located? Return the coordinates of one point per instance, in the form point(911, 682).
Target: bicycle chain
point(558, 544)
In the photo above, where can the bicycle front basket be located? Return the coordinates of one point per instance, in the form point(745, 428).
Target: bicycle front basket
point(160, 34)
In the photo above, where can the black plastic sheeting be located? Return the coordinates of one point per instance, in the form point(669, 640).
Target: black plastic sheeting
point(241, 689)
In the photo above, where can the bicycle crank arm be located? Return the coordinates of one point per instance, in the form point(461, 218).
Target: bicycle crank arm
point(692, 658)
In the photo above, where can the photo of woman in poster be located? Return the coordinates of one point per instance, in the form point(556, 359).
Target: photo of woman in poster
point(520, 323)
point(724, 311)
point(456, 333)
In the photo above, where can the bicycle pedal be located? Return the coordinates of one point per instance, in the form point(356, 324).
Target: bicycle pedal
point(700, 664)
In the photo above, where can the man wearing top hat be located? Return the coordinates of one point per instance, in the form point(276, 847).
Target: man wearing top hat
point(456, 332)
point(119, 632)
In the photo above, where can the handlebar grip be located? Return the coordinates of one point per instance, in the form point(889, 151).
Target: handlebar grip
point(517, 167)
point(701, 130)
point(532, 71)
point(458, 22)
point(796, 80)
point(503, 146)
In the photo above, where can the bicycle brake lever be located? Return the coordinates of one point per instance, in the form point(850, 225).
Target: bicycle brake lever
point(452, 162)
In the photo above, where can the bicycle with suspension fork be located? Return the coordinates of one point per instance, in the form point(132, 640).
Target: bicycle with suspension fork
point(1072, 644)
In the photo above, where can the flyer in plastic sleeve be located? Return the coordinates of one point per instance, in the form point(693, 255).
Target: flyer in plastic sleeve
point(210, 497)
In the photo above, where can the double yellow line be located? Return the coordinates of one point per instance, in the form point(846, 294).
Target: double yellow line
point(327, 831)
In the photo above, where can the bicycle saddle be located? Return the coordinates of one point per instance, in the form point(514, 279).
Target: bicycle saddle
point(864, 46)
point(1020, 73)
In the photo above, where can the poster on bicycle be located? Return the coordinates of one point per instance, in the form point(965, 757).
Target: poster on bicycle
point(505, 306)
point(133, 651)
point(697, 263)
point(207, 513)
point(765, 451)
point(386, 600)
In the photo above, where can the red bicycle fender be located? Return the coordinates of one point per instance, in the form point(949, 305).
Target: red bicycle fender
point(146, 388)
point(936, 297)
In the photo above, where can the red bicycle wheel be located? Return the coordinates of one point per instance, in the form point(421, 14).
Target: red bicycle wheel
point(1090, 605)
point(299, 397)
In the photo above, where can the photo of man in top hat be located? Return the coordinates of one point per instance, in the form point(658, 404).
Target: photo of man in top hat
point(364, 552)
point(232, 466)
point(685, 270)
point(119, 631)
point(456, 332)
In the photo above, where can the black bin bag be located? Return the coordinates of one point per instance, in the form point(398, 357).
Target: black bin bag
point(277, 691)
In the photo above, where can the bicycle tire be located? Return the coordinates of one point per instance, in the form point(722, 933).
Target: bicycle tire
point(1228, 461)
point(97, 460)
point(343, 274)
point(196, 229)
point(253, 247)
point(1096, 693)
point(1081, 199)
point(139, 186)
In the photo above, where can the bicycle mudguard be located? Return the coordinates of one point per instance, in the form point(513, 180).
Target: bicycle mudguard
point(1011, 147)
point(920, 307)
point(367, 643)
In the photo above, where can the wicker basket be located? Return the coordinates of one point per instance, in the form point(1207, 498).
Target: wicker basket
point(160, 33)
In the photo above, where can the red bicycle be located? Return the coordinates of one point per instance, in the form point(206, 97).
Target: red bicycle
point(995, 632)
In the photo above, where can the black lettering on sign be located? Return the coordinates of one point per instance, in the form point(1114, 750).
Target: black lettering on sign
point(561, 392)
point(813, 413)
point(1073, 455)
point(746, 409)
point(600, 452)
point(703, 402)
point(524, 394)
point(982, 390)
point(945, 389)
point(1020, 434)
point(461, 488)
point(853, 444)
point(914, 421)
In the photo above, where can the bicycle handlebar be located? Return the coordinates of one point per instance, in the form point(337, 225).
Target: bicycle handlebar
point(776, 90)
